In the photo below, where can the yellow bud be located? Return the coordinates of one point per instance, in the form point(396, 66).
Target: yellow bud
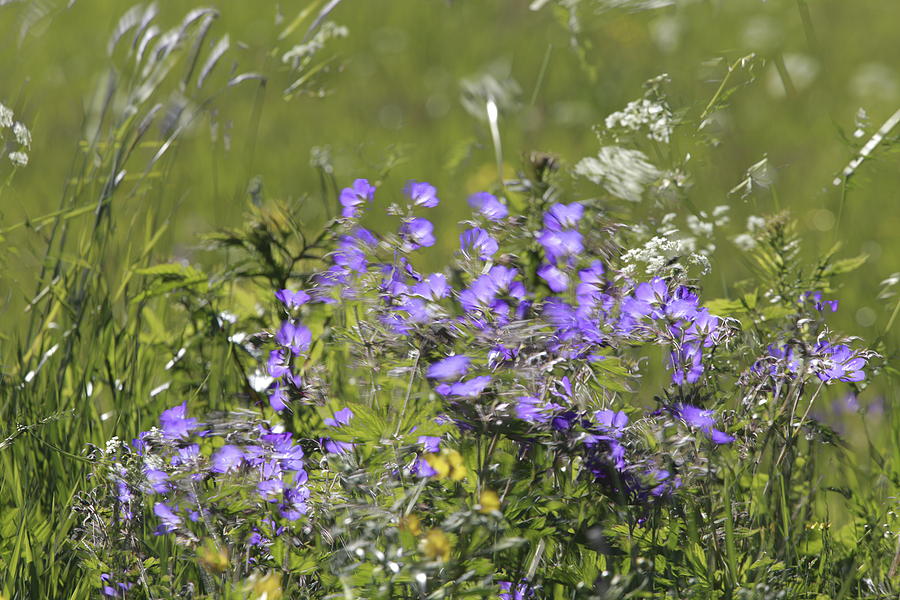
point(267, 587)
point(412, 524)
point(439, 464)
point(212, 558)
point(489, 501)
point(436, 545)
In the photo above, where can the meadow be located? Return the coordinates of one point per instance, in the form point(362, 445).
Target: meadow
point(445, 299)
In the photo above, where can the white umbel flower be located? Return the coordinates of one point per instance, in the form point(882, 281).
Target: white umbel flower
point(623, 172)
point(19, 159)
point(6, 117)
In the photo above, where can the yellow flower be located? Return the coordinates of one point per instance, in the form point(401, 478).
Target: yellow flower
point(457, 468)
point(212, 558)
point(412, 524)
point(489, 501)
point(436, 545)
point(447, 464)
point(439, 464)
point(267, 587)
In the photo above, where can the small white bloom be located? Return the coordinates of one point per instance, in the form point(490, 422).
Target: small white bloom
point(744, 241)
point(23, 136)
point(19, 159)
point(6, 117)
point(755, 223)
point(624, 173)
point(655, 117)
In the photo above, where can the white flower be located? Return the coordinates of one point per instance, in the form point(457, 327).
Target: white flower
point(755, 223)
point(744, 241)
point(654, 116)
point(23, 136)
point(698, 227)
point(6, 117)
point(19, 159)
point(624, 173)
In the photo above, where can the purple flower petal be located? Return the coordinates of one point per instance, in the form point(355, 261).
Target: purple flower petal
point(488, 205)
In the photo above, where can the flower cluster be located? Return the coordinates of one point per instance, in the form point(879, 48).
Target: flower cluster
point(20, 134)
point(530, 345)
point(183, 465)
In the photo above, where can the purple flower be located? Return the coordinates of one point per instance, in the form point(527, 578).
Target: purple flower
point(277, 364)
point(563, 216)
point(421, 194)
point(704, 421)
point(839, 363)
point(477, 241)
point(170, 521)
point(818, 303)
point(157, 480)
point(294, 336)
point(352, 197)
point(687, 362)
point(488, 205)
point(335, 447)
point(656, 292)
point(278, 397)
point(292, 299)
point(557, 280)
point(175, 424)
point(611, 421)
point(704, 326)
point(519, 592)
point(227, 458)
point(452, 367)
point(418, 233)
point(294, 505)
point(111, 588)
point(421, 468)
point(269, 489)
point(433, 288)
point(532, 410)
point(560, 244)
point(341, 418)
point(430, 443)
point(464, 389)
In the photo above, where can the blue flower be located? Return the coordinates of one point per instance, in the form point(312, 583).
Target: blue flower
point(702, 420)
point(452, 367)
point(432, 288)
point(170, 521)
point(560, 244)
point(839, 363)
point(464, 389)
point(341, 418)
point(227, 458)
point(174, 422)
point(417, 233)
point(479, 242)
point(557, 280)
point(421, 194)
point(292, 299)
point(519, 592)
point(277, 364)
point(430, 443)
point(294, 336)
point(278, 397)
point(352, 197)
point(488, 205)
point(563, 216)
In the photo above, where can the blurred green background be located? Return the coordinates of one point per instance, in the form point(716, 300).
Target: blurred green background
point(392, 89)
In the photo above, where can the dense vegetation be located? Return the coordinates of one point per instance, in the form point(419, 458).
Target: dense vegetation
point(387, 300)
